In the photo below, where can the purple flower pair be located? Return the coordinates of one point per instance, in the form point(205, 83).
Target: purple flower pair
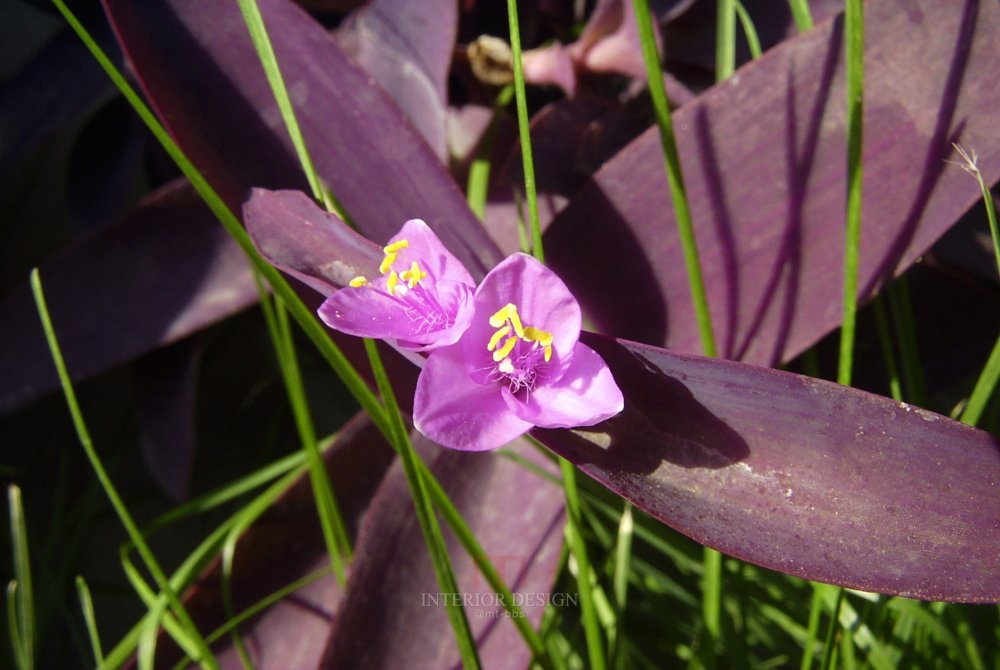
point(504, 357)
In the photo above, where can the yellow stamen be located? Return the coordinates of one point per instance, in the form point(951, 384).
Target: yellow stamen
point(497, 336)
point(505, 350)
point(413, 275)
point(548, 352)
point(508, 313)
point(532, 334)
point(387, 262)
point(396, 246)
point(391, 283)
point(357, 281)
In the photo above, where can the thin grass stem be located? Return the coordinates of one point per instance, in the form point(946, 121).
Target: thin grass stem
point(986, 384)
point(753, 40)
point(269, 61)
point(90, 620)
point(725, 39)
point(801, 14)
point(901, 310)
point(400, 439)
point(524, 131)
point(885, 342)
point(478, 183)
point(22, 597)
point(675, 177)
point(854, 38)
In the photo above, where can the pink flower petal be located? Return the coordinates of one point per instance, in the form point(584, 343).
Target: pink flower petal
point(426, 249)
point(367, 311)
point(542, 301)
point(585, 395)
point(456, 412)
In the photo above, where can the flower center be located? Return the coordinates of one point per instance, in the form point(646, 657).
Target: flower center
point(421, 305)
point(517, 349)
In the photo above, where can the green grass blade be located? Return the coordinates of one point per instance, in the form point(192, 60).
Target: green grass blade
point(204, 656)
point(970, 163)
point(812, 630)
point(901, 309)
point(477, 186)
point(619, 579)
point(584, 578)
point(331, 520)
point(725, 39)
point(400, 439)
point(228, 555)
point(829, 648)
point(525, 133)
point(854, 39)
point(984, 388)
point(22, 596)
point(90, 620)
point(753, 41)
point(801, 14)
point(885, 342)
point(675, 176)
point(265, 52)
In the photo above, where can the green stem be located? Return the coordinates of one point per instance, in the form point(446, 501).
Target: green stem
point(578, 549)
point(400, 439)
point(524, 132)
point(801, 14)
point(675, 177)
point(854, 38)
point(725, 39)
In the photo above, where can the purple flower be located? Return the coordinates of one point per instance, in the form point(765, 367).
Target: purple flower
point(518, 365)
point(423, 299)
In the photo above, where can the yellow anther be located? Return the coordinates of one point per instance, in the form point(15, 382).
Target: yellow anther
point(548, 352)
point(357, 281)
point(505, 350)
point(395, 246)
point(497, 336)
point(508, 313)
point(413, 275)
point(500, 317)
point(391, 283)
point(387, 262)
point(532, 334)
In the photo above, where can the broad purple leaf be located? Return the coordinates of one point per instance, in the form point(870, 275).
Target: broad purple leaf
point(393, 614)
point(763, 157)
point(286, 544)
point(165, 389)
point(165, 271)
point(197, 65)
point(407, 46)
point(798, 474)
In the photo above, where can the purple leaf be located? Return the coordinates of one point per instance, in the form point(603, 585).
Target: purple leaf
point(407, 47)
point(393, 615)
point(197, 65)
point(798, 474)
point(313, 246)
point(763, 157)
point(166, 384)
point(162, 273)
